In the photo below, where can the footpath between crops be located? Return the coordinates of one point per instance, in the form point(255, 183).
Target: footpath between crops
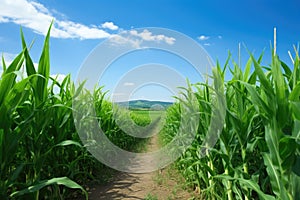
point(159, 185)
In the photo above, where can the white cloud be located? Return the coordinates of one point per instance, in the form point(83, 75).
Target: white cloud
point(148, 36)
point(3, 20)
point(120, 40)
point(203, 37)
point(37, 17)
point(207, 44)
point(128, 84)
point(69, 29)
point(109, 25)
point(135, 38)
point(170, 40)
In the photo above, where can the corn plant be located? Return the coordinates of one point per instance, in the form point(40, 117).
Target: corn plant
point(25, 129)
point(274, 101)
point(41, 154)
point(257, 154)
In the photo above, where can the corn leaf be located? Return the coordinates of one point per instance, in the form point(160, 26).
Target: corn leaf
point(43, 70)
point(59, 181)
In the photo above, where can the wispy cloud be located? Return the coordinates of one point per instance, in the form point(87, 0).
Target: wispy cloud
point(3, 20)
point(128, 84)
point(117, 40)
point(110, 25)
point(37, 17)
point(207, 44)
point(136, 39)
point(148, 36)
point(203, 37)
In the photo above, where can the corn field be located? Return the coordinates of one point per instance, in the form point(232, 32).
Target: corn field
point(255, 157)
point(257, 154)
point(41, 154)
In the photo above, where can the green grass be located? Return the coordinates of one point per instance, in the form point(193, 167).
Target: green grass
point(151, 197)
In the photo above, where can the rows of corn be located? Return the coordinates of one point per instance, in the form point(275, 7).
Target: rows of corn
point(41, 154)
point(145, 117)
point(257, 152)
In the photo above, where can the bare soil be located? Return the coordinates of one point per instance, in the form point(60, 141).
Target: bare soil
point(165, 184)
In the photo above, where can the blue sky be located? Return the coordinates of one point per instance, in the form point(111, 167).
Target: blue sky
point(80, 26)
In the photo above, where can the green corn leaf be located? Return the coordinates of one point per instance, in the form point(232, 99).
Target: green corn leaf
point(272, 137)
point(59, 181)
point(18, 94)
point(254, 186)
point(262, 77)
point(248, 183)
point(9, 76)
point(66, 118)
point(257, 100)
point(295, 106)
point(237, 191)
point(288, 74)
point(296, 185)
point(79, 90)
point(261, 57)
point(252, 79)
point(3, 64)
point(280, 91)
point(247, 70)
point(69, 142)
point(44, 70)
point(295, 94)
point(16, 64)
point(28, 62)
point(226, 64)
point(218, 66)
point(288, 148)
point(275, 178)
point(296, 129)
point(65, 83)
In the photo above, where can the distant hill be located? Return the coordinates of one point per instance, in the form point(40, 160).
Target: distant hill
point(144, 104)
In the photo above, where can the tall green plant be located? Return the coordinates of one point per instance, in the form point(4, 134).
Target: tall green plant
point(41, 154)
point(257, 154)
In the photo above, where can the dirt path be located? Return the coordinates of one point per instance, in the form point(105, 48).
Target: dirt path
point(161, 185)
